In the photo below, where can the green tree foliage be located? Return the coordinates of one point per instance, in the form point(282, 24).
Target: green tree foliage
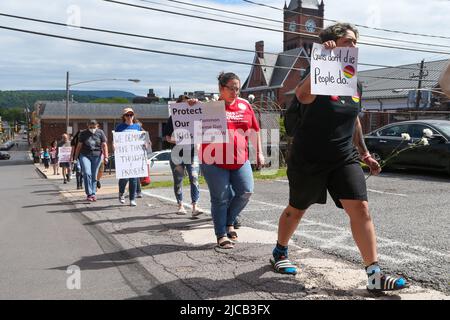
point(12, 114)
point(111, 100)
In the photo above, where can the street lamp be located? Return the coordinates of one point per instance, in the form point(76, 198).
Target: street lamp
point(68, 85)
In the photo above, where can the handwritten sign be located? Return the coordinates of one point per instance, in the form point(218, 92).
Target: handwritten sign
point(130, 154)
point(201, 123)
point(64, 154)
point(334, 72)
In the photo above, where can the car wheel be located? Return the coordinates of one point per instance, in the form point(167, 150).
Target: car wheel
point(376, 155)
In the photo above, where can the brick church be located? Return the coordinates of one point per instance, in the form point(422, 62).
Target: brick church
point(276, 81)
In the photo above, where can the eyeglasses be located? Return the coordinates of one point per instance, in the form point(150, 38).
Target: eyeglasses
point(129, 115)
point(234, 89)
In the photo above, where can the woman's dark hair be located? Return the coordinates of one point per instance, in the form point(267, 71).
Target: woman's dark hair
point(224, 78)
point(336, 31)
point(182, 98)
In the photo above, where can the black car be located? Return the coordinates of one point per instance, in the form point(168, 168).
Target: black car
point(435, 156)
point(4, 156)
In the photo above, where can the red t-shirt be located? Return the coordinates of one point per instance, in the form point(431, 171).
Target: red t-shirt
point(242, 125)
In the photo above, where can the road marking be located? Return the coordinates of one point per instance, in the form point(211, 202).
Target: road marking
point(324, 235)
point(389, 193)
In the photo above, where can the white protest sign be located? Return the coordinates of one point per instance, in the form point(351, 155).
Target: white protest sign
point(130, 154)
point(333, 72)
point(201, 123)
point(64, 154)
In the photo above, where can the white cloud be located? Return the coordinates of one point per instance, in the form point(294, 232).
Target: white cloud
point(32, 62)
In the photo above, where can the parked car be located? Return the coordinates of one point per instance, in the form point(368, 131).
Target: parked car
point(4, 156)
point(7, 145)
point(436, 156)
point(159, 162)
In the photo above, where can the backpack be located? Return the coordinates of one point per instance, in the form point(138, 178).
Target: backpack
point(293, 116)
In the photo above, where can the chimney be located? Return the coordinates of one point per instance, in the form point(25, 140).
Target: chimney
point(259, 48)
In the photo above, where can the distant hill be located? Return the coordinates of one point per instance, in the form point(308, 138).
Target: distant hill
point(19, 98)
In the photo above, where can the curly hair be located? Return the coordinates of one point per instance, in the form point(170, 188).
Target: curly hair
point(225, 77)
point(336, 31)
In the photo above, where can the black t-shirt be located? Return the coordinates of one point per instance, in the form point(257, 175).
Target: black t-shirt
point(168, 131)
point(325, 134)
point(92, 142)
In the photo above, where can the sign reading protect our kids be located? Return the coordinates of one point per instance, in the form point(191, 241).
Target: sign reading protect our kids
point(200, 123)
point(334, 72)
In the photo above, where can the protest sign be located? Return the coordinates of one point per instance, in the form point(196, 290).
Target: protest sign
point(130, 154)
point(64, 154)
point(334, 72)
point(200, 123)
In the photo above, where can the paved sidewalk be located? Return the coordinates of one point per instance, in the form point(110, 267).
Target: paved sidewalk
point(181, 254)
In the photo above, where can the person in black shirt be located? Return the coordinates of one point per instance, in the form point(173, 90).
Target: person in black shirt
point(327, 147)
point(183, 157)
point(91, 146)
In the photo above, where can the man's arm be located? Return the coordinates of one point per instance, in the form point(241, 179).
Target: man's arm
point(303, 91)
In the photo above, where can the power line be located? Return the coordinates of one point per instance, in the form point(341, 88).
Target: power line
point(358, 25)
point(280, 21)
point(167, 53)
point(268, 29)
point(180, 41)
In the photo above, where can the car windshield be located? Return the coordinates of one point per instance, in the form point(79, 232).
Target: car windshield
point(444, 127)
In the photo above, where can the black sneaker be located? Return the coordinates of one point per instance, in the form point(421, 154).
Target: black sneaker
point(99, 185)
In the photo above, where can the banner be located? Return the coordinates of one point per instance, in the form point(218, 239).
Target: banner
point(334, 72)
point(201, 123)
point(130, 154)
point(64, 154)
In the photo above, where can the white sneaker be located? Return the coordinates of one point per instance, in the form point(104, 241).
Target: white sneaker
point(181, 211)
point(133, 203)
point(121, 199)
point(198, 211)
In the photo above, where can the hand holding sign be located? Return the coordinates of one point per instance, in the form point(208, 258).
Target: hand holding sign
point(333, 70)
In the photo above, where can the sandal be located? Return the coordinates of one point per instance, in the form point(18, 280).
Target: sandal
point(388, 283)
point(225, 244)
point(284, 266)
point(232, 235)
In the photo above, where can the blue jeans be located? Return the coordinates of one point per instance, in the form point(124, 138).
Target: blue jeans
point(90, 166)
point(132, 187)
point(230, 191)
point(178, 175)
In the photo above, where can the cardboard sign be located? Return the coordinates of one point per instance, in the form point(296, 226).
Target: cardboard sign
point(201, 123)
point(334, 72)
point(130, 154)
point(64, 154)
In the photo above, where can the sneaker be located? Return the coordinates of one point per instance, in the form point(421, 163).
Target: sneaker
point(89, 198)
point(139, 195)
point(121, 198)
point(181, 211)
point(198, 211)
point(133, 203)
point(99, 185)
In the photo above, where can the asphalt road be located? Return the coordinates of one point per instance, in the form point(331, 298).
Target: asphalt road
point(411, 214)
point(37, 245)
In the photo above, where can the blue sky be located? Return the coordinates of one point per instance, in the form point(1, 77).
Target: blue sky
point(31, 62)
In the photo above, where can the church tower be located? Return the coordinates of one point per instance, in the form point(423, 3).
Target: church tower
point(304, 16)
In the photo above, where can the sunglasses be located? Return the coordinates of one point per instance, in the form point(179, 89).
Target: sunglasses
point(234, 89)
point(129, 114)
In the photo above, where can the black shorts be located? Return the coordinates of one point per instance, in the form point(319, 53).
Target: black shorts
point(308, 184)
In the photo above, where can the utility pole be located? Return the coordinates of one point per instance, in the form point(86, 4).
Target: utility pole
point(421, 75)
point(67, 102)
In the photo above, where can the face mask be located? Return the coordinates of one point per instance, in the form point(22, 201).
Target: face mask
point(92, 130)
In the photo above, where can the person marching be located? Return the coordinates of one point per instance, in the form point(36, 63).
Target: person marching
point(65, 166)
point(91, 146)
point(129, 123)
point(179, 166)
point(327, 147)
point(226, 166)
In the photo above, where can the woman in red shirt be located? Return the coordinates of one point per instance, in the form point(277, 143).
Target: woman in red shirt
point(226, 166)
